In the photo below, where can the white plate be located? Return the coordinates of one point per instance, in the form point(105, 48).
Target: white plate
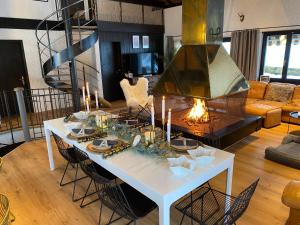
point(181, 166)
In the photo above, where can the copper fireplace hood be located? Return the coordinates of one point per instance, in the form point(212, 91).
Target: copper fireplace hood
point(202, 68)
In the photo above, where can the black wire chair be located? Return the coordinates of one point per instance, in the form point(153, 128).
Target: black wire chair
point(97, 174)
point(125, 201)
point(68, 153)
point(211, 207)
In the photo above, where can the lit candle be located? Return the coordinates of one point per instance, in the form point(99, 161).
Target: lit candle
point(96, 97)
point(83, 95)
point(152, 116)
point(88, 90)
point(163, 108)
point(87, 104)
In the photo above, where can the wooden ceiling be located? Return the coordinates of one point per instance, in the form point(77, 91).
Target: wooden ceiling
point(155, 3)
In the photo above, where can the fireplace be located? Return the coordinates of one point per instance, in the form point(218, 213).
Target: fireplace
point(202, 85)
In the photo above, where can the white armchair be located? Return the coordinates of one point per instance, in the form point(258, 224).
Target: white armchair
point(137, 95)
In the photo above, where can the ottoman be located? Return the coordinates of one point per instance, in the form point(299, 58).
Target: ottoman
point(271, 114)
point(291, 198)
point(288, 153)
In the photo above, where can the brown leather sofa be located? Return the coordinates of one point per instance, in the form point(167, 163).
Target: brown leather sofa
point(273, 102)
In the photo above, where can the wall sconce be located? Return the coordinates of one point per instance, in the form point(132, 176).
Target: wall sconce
point(242, 17)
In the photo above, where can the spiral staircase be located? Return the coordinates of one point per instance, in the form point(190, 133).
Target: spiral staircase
point(61, 43)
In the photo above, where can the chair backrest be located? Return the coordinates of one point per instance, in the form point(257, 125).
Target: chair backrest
point(139, 92)
point(88, 167)
point(62, 146)
point(113, 197)
point(240, 204)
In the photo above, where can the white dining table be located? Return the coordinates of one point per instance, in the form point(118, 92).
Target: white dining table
point(148, 175)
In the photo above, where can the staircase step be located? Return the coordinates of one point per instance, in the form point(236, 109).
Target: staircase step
point(58, 75)
point(85, 27)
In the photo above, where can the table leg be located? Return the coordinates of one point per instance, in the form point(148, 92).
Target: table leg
point(229, 184)
point(49, 147)
point(164, 214)
point(229, 179)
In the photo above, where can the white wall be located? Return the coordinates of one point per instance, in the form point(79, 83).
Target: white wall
point(31, 53)
point(131, 13)
point(258, 13)
point(28, 9)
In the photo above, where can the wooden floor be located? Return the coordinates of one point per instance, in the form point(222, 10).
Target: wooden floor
point(36, 197)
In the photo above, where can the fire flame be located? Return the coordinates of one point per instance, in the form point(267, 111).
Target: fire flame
point(199, 112)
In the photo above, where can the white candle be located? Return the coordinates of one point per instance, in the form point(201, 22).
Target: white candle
point(152, 116)
point(163, 108)
point(83, 95)
point(88, 90)
point(87, 105)
point(96, 97)
point(169, 131)
point(169, 115)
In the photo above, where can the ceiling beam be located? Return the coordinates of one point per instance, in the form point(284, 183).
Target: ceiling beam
point(154, 3)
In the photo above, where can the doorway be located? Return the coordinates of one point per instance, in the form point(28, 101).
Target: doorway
point(13, 72)
point(111, 67)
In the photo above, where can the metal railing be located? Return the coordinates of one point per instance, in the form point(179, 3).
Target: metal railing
point(23, 112)
point(55, 53)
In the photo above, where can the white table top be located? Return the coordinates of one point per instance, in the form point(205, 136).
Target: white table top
point(149, 175)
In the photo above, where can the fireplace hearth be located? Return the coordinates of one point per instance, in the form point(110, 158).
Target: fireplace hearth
point(218, 122)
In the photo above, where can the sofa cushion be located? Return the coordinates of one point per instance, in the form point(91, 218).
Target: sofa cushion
point(257, 89)
point(279, 92)
point(259, 109)
point(272, 103)
point(291, 107)
point(251, 101)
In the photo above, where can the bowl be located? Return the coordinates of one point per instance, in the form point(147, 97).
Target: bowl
point(202, 156)
point(200, 151)
point(81, 115)
point(181, 166)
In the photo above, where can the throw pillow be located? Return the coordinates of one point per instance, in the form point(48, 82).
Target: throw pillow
point(279, 92)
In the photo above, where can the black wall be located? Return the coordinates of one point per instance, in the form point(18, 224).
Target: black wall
point(122, 33)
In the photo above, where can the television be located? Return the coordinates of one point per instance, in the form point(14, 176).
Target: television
point(141, 63)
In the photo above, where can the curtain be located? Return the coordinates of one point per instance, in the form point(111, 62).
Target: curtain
point(244, 51)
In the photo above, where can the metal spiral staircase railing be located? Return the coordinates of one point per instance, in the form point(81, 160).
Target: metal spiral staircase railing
point(60, 43)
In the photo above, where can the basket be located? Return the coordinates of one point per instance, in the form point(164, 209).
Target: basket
point(4, 210)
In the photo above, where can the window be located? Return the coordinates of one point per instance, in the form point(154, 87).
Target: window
point(280, 56)
point(227, 44)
